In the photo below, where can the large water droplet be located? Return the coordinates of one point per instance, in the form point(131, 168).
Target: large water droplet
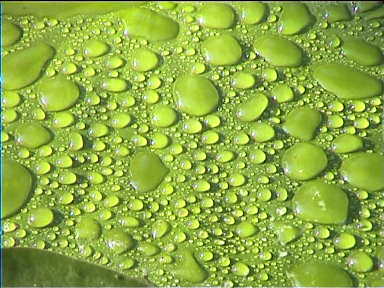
point(319, 202)
point(195, 95)
point(24, 67)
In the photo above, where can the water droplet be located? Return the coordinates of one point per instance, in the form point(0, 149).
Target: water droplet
point(195, 95)
point(147, 171)
point(24, 67)
point(17, 184)
point(40, 217)
point(304, 161)
point(279, 51)
point(364, 170)
point(221, 50)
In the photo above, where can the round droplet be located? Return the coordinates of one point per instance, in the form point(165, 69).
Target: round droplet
point(360, 261)
point(221, 50)
point(95, 48)
point(216, 15)
point(262, 132)
point(319, 202)
point(364, 170)
point(243, 80)
point(279, 51)
point(58, 94)
point(163, 116)
point(282, 93)
point(118, 241)
point(63, 119)
point(114, 85)
point(159, 140)
point(67, 178)
point(304, 161)
point(347, 143)
point(195, 95)
point(10, 99)
point(88, 229)
point(344, 241)
point(114, 62)
point(17, 184)
point(192, 126)
point(257, 156)
point(144, 59)
point(253, 108)
point(120, 120)
point(40, 217)
point(240, 269)
point(147, 171)
point(32, 135)
point(302, 123)
point(236, 179)
point(246, 229)
point(252, 12)
point(98, 130)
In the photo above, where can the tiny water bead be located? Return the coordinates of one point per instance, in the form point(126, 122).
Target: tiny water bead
point(147, 171)
point(17, 184)
point(216, 15)
point(95, 48)
point(319, 202)
point(278, 51)
point(195, 95)
point(252, 108)
point(12, 35)
point(221, 50)
point(144, 59)
point(304, 161)
point(302, 123)
point(346, 82)
point(40, 217)
point(364, 170)
point(24, 67)
point(32, 135)
point(57, 94)
point(163, 116)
